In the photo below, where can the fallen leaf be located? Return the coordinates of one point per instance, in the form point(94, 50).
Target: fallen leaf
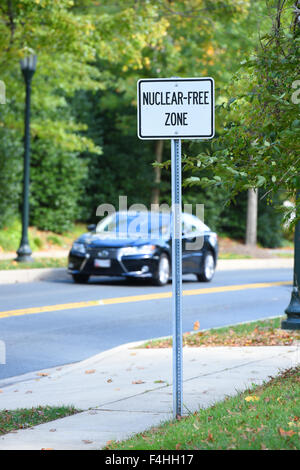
point(42, 374)
point(283, 433)
point(52, 430)
point(252, 398)
point(294, 424)
point(179, 418)
point(109, 381)
point(91, 371)
point(137, 382)
point(178, 446)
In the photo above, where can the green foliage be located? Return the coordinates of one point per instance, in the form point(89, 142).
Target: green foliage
point(259, 144)
point(10, 173)
point(68, 36)
point(84, 145)
point(56, 186)
point(10, 236)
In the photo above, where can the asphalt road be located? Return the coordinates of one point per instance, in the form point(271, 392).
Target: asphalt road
point(72, 328)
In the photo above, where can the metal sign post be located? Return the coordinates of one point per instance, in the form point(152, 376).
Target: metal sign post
point(175, 109)
point(176, 276)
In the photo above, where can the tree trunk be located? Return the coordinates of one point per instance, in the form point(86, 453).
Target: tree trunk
point(251, 228)
point(159, 145)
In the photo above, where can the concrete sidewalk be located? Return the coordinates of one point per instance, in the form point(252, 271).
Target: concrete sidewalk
point(39, 274)
point(127, 390)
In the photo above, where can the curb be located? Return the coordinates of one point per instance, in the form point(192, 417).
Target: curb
point(11, 276)
point(57, 371)
point(60, 274)
point(255, 263)
point(65, 369)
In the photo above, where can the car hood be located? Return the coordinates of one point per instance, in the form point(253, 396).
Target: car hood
point(95, 240)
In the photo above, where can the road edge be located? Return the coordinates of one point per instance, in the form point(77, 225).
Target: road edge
point(60, 274)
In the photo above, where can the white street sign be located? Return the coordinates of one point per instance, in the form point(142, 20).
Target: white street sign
point(175, 108)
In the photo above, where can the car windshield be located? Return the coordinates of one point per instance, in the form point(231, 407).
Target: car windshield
point(139, 224)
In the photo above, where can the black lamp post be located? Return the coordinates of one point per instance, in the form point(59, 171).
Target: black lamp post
point(28, 66)
point(293, 310)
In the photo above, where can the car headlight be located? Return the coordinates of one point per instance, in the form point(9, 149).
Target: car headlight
point(137, 250)
point(80, 247)
point(213, 238)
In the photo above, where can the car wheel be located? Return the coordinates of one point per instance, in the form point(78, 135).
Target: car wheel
point(80, 278)
point(163, 271)
point(208, 267)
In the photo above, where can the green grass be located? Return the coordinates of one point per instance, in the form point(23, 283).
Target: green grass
point(37, 263)
point(10, 237)
point(262, 417)
point(26, 418)
point(233, 256)
point(285, 255)
point(258, 333)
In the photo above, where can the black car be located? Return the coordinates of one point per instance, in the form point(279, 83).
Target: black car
point(138, 245)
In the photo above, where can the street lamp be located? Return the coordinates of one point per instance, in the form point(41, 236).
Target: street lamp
point(28, 66)
point(293, 310)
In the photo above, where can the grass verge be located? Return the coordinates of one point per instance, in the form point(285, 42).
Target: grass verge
point(263, 417)
point(37, 263)
point(26, 418)
point(10, 237)
point(228, 255)
point(258, 333)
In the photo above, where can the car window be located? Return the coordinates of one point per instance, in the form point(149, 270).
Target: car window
point(135, 224)
point(192, 224)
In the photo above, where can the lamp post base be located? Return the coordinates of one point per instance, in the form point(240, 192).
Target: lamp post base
point(293, 313)
point(24, 254)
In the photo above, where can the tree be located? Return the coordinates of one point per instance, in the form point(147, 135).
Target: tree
point(68, 38)
point(262, 119)
point(251, 226)
point(200, 37)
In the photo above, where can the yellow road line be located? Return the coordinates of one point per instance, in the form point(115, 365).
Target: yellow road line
point(136, 298)
point(48, 308)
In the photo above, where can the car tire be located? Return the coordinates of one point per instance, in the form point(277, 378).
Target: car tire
point(80, 278)
point(163, 271)
point(208, 267)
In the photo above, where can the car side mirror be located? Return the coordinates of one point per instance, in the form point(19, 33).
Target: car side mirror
point(91, 227)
